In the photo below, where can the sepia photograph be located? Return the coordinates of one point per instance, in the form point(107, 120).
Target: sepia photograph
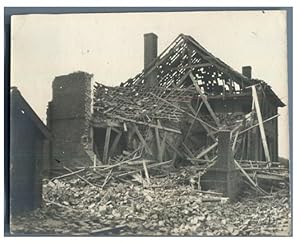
point(163, 123)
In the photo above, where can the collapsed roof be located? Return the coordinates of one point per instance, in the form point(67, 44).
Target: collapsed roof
point(188, 106)
point(177, 75)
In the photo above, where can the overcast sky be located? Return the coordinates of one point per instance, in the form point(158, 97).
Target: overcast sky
point(110, 46)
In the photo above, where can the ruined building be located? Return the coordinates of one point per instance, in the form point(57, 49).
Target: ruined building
point(29, 139)
point(185, 106)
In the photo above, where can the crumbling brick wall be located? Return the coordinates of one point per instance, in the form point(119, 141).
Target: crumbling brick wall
point(68, 119)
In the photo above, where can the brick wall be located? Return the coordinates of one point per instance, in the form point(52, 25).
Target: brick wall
point(68, 115)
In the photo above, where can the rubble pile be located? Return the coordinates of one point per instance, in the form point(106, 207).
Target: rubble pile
point(164, 207)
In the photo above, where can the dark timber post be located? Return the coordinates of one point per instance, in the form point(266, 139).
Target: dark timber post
point(223, 176)
point(106, 145)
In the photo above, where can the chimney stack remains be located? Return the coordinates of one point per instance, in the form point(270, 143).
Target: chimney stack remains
point(247, 71)
point(150, 54)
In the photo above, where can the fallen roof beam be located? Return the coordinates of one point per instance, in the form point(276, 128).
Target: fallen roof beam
point(253, 126)
point(148, 124)
point(187, 150)
point(174, 148)
point(192, 124)
point(142, 140)
point(158, 145)
point(200, 120)
point(106, 144)
point(204, 126)
point(207, 150)
point(204, 99)
point(249, 178)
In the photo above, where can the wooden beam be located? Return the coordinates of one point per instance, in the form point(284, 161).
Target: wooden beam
point(148, 124)
point(204, 126)
point(207, 150)
point(157, 138)
point(243, 148)
point(115, 130)
point(95, 161)
point(249, 178)
point(253, 126)
point(188, 150)
point(174, 148)
point(106, 144)
point(69, 174)
point(261, 125)
point(249, 145)
point(95, 122)
point(217, 63)
point(91, 141)
point(146, 171)
point(124, 127)
point(234, 141)
point(149, 167)
point(192, 66)
point(114, 166)
point(163, 146)
point(115, 143)
point(204, 99)
point(95, 147)
point(183, 111)
point(193, 121)
point(183, 78)
point(142, 140)
point(80, 177)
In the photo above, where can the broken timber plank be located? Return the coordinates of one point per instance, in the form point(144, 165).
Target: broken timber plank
point(253, 126)
point(207, 150)
point(182, 79)
point(261, 125)
point(95, 162)
point(183, 111)
point(97, 153)
point(249, 178)
point(188, 150)
point(125, 127)
point(85, 180)
point(174, 149)
point(69, 174)
point(157, 138)
point(107, 230)
point(209, 132)
point(140, 162)
point(146, 171)
point(163, 146)
point(150, 166)
point(148, 124)
point(116, 165)
point(107, 178)
point(235, 140)
point(142, 140)
point(106, 145)
point(115, 143)
point(204, 99)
